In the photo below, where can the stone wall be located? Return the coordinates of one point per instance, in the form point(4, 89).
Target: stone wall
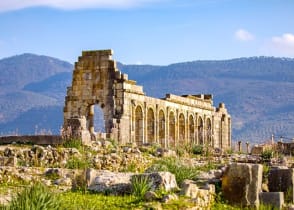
point(35, 139)
point(131, 116)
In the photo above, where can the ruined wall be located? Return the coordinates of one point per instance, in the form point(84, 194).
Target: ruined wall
point(130, 116)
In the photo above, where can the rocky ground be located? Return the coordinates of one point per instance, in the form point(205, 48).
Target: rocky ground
point(107, 168)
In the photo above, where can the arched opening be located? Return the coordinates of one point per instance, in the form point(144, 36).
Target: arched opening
point(150, 126)
point(191, 130)
point(182, 129)
point(99, 122)
point(161, 130)
point(200, 131)
point(208, 132)
point(95, 121)
point(172, 129)
point(139, 126)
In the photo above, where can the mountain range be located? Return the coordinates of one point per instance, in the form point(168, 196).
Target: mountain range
point(258, 92)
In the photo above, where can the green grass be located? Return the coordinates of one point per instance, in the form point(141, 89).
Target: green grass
point(140, 185)
point(77, 163)
point(180, 170)
point(73, 143)
point(91, 201)
point(35, 197)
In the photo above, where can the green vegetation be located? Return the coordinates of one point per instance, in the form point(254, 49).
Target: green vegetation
point(267, 155)
point(174, 166)
point(73, 143)
point(35, 197)
point(140, 185)
point(77, 163)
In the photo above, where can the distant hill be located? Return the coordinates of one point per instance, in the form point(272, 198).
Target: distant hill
point(258, 91)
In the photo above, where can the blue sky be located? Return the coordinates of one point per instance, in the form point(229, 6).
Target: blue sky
point(148, 31)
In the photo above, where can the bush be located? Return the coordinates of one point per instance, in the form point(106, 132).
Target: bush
point(77, 163)
point(197, 149)
point(36, 197)
point(267, 155)
point(140, 185)
point(177, 168)
point(73, 143)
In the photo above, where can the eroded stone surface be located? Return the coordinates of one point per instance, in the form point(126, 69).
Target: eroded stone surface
point(241, 184)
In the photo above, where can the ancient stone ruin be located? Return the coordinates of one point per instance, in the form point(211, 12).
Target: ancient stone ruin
point(132, 117)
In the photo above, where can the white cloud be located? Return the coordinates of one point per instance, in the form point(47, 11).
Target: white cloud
point(284, 45)
point(8, 5)
point(243, 35)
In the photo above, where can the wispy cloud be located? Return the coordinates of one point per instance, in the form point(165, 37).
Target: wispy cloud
point(8, 5)
point(243, 35)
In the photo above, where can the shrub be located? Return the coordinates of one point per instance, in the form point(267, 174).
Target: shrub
point(197, 149)
point(267, 155)
point(73, 143)
point(37, 197)
point(177, 168)
point(77, 163)
point(140, 185)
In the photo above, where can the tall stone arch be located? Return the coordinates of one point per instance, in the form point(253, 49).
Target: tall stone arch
point(150, 126)
point(182, 129)
point(139, 126)
point(172, 129)
point(161, 128)
point(92, 83)
point(191, 130)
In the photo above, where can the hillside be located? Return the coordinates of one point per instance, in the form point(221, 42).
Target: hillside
point(258, 91)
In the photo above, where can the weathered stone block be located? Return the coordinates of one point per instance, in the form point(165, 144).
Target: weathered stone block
point(241, 184)
point(282, 180)
point(160, 180)
point(272, 198)
point(110, 182)
point(203, 197)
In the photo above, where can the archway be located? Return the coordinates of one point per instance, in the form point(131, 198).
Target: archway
point(191, 130)
point(200, 131)
point(208, 132)
point(139, 126)
point(161, 130)
point(99, 122)
point(150, 126)
point(172, 129)
point(182, 132)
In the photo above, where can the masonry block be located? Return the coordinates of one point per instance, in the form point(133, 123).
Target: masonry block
point(275, 199)
point(241, 184)
point(282, 180)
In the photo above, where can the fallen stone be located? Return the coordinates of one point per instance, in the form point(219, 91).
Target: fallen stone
point(241, 184)
point(160, 180)
point(282, 179)
point(150, 196)
point(108, 182)
point(275, 199)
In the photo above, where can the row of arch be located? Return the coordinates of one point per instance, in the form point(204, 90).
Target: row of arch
point(166, 127)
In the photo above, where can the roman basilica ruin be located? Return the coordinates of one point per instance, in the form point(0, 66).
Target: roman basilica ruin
point(132, 117)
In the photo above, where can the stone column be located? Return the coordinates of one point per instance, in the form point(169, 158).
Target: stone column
point(239, 146)
point(91, 118)
point(247, 147)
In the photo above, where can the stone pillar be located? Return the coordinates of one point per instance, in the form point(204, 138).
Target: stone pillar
point(91, 119)
point(196, 129)
point(239, 146)
point(247, 147)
